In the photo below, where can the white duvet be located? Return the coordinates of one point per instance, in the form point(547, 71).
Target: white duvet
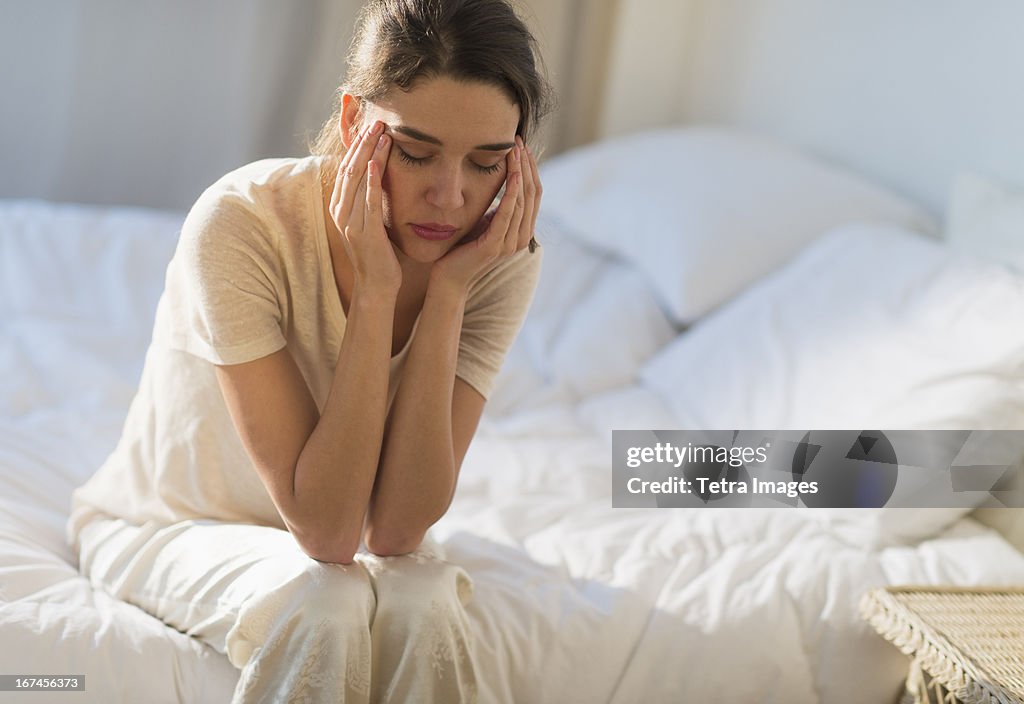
point(574, 601)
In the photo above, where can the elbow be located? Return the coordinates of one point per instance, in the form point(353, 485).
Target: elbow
point(387, 533)
point(330, 548)
point(343, 557)
point(390, 543)
point(323, 536)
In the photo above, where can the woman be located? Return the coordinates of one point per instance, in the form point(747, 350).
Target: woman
point(330, 329)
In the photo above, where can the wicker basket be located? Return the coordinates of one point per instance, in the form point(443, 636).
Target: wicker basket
point(967, 644)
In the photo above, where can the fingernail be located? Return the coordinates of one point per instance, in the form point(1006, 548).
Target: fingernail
point(382, 142)
point(518, 153)
point(377, 127)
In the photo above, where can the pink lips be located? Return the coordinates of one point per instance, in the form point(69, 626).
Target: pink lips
point(433, 230)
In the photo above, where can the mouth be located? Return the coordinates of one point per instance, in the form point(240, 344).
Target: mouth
point(433, 231)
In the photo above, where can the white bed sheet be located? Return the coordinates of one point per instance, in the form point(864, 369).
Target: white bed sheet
point(574, 601)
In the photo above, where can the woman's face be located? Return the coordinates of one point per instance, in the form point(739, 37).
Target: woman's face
point(447, 160)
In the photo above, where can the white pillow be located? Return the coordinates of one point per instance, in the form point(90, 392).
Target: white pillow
point(610, 334)
point(705, 211)
point(570, 269)
point(871, 327)
point(592, 324)
point(987, 219)
point(854, 333)
point(526, 379)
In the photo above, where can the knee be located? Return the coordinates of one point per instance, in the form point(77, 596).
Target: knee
point(327, 600)
point(337, 594)
point(416, 587)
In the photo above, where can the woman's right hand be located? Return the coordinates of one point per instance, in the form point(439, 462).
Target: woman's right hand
point(356, 205)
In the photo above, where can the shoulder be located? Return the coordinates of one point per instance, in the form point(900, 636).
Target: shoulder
point(245, 204)
point(515, 274)
point(248, 186)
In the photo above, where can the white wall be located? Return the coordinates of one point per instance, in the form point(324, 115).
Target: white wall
point(908, 92)
point(147, 102)
point(647, 52)
point(574, 37)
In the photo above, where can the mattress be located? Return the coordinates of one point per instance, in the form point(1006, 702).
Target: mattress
point(575, 601)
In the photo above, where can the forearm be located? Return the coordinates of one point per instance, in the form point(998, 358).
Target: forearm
point(335, 471)
point(416, 478)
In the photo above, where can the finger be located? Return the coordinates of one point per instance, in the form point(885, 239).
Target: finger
point(525, 230)
point(379, 157)
point(381, 153)
point(506, 208)
point(511, 243)
point(373, 195)
point(357, 215)
point(538, 194)
point(375, 200)
point(355, 172)
point(374, 181)
point(346, 159)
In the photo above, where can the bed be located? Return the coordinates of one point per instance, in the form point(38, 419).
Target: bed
point(753, 286)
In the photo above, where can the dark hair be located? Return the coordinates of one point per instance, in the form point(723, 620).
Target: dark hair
point(399, 42)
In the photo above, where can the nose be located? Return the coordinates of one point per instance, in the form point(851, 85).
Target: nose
point(445, 190)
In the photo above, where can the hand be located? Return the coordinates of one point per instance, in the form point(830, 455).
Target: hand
point(503, 232)
point(356, 205)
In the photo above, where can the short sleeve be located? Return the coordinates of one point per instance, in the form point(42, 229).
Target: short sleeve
point(495, 311)
point(223, 293)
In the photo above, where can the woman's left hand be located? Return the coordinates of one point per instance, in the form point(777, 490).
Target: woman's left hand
point(507, 230)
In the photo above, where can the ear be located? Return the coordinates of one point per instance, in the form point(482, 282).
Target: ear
point(350, 119)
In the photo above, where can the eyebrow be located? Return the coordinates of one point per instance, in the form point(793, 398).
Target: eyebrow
point(424, 137)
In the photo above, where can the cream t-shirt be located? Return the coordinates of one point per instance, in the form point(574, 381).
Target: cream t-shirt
point(251, 274)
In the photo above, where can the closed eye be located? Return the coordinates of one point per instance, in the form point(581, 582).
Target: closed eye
point(409, 159)
point(420, 161)
point(488, 169)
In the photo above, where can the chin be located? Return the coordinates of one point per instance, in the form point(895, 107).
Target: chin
point(417, 249)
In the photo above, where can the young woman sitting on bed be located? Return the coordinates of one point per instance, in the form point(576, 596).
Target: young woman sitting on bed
point(329, 331)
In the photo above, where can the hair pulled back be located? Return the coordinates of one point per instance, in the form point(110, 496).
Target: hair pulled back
point(399, 42)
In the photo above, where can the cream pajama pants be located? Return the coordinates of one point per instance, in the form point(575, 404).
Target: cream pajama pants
point(383, 629)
